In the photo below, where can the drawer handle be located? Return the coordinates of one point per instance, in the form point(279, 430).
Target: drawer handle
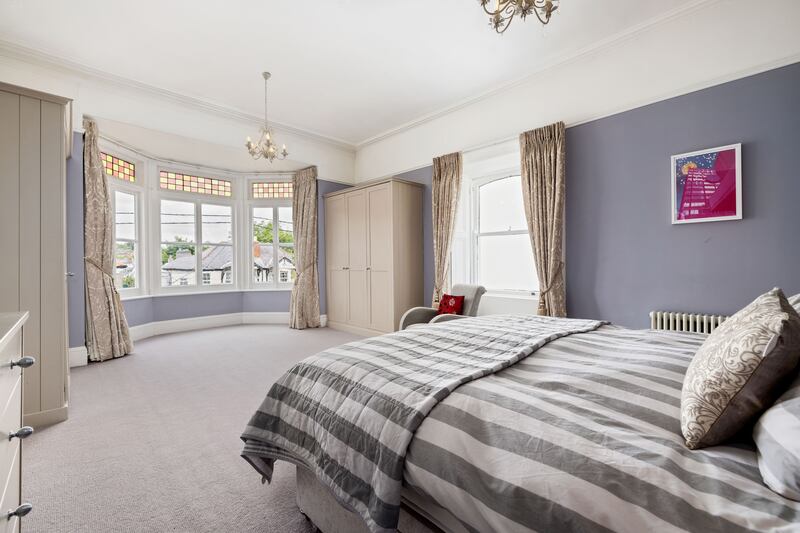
point(25, 362)
point(22, 433)
point(20, 511)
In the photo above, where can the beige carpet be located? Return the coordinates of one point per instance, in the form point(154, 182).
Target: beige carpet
point(152, 442)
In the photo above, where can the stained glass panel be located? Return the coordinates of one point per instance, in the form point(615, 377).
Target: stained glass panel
point(119, 168)
point(272, 190)
point(174, 181)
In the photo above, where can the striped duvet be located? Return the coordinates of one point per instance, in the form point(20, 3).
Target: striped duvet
point(582, 435)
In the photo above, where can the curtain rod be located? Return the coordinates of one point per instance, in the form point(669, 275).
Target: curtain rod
point(197, 166)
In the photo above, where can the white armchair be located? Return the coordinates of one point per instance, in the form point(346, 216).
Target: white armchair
point(427, 315)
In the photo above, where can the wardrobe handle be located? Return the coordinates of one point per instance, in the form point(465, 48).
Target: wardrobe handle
point(25, 362)
point(20, 511)
point(369, 268)
point(22, 433)
point(345, 268)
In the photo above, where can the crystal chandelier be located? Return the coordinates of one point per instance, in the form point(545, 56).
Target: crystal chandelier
point(266, 147)
point(505, 10)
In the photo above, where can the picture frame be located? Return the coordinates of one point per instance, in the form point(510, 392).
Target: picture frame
point(706, 185)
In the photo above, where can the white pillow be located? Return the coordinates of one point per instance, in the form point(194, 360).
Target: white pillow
point(795, 301)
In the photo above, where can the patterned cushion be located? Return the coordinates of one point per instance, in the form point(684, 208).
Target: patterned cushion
point(777, 436)
point(450, 305)
point(739, 370)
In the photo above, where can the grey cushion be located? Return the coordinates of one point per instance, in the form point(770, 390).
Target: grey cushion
point(472, 297)
point(777, 436)
point(795, 301)
point(738, 370)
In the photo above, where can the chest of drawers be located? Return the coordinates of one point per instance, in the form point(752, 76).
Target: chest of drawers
point(12, 432)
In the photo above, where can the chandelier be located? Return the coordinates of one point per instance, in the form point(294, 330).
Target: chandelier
point(265, 147)
point(505, 10)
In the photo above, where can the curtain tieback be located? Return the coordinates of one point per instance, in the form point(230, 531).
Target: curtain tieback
point(551, 282)
point(98, 267)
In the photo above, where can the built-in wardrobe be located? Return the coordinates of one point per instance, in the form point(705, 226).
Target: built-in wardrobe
point(33, 148)
point(373, 248)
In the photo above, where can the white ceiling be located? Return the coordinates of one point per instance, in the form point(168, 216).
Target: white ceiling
point(346, 69)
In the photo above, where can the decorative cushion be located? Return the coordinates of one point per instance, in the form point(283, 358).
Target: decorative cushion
point(777, 436)
point(450, 305)
point(795, 301)
point(739, 370)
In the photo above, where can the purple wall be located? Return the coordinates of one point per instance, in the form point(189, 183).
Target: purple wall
point(624, 258)
point(149, 309)
point(74, 230)
point(424, 176)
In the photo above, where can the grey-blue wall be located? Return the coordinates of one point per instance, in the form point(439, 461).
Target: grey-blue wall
point(149, 309)
point(424, 176)
point(624, 258)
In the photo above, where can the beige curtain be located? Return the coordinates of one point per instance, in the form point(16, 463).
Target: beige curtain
point(446, 187)
point(107, 333)
point(304, 307)
point(543, 159)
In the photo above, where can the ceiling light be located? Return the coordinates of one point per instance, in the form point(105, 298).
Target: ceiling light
point(505, 10)
point(266, 147)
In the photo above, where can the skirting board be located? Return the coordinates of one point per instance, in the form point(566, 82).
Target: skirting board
point(79, 357)
point(164, 327)
point(45, 418)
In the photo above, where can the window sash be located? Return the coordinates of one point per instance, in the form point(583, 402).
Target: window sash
point(275, 205)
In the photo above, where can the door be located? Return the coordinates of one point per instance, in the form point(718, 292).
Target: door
point(379, 227)
point(336, 258)
point(358, 291)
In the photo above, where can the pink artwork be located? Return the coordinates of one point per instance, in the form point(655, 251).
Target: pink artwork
point(707, 185)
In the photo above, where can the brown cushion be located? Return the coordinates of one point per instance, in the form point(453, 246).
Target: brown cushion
point(739, 370)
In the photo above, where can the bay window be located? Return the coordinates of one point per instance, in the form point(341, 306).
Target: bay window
point(125, 192)
point(272, 235)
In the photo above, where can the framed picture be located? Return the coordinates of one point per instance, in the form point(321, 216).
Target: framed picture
point(707, 185)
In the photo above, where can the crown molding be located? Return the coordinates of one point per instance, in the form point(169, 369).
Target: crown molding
point(608, 42)
point(43, 59)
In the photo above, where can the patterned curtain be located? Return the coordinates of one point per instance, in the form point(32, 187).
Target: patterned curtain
point(543, 156)
point(304, 307)
point(446, 187)
point(107, 333)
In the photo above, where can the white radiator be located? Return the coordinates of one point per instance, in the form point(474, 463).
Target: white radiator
point(685, 322)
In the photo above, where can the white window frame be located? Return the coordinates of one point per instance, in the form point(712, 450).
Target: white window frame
point(137, 190)
point(475, 232)
point(275, 203)
point(197, 200)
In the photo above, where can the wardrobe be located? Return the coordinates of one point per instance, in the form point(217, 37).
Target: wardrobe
point(373, 246)
point(33, 146)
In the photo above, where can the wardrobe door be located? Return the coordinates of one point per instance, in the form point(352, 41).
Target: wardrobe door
point(358, 292)
point(379, 270)
point(336, 258)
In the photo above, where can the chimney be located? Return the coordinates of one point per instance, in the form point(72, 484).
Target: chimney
point(256, 249)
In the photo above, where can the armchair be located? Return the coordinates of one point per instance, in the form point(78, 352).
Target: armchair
point(427, 315)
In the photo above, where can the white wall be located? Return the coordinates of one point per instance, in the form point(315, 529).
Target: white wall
point(719, 41)
point(220, 131)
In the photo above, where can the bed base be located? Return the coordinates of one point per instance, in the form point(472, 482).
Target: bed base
point(319, 506)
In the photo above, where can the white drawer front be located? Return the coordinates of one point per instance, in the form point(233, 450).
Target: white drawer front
point(10, 421)
point(7, 374)
point(10, 497)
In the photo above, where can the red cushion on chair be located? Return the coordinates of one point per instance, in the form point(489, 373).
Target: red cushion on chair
point(450, 305)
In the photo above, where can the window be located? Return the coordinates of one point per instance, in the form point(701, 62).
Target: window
point(273, 246)
point(119, 168)
point(272, 189)
point(175, 181)
point(178, 243)
point(500, 248)
point(180, 235)
point(126, 245)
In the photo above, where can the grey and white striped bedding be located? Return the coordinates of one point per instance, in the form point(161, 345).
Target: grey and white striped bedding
point(584, 435)
point(349, 413)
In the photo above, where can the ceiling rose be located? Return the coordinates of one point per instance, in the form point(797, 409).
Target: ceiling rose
point(505, 10)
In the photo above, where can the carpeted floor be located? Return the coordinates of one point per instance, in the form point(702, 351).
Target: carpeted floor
point(152, 442)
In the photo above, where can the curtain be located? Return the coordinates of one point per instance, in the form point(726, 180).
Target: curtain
point(446, 187)
point(543, 156)
point(107, 333)
point(304, 307)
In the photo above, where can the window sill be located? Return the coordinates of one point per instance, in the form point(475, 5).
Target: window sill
point(194, 293)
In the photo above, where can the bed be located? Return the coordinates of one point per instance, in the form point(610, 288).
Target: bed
point(507, 423)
